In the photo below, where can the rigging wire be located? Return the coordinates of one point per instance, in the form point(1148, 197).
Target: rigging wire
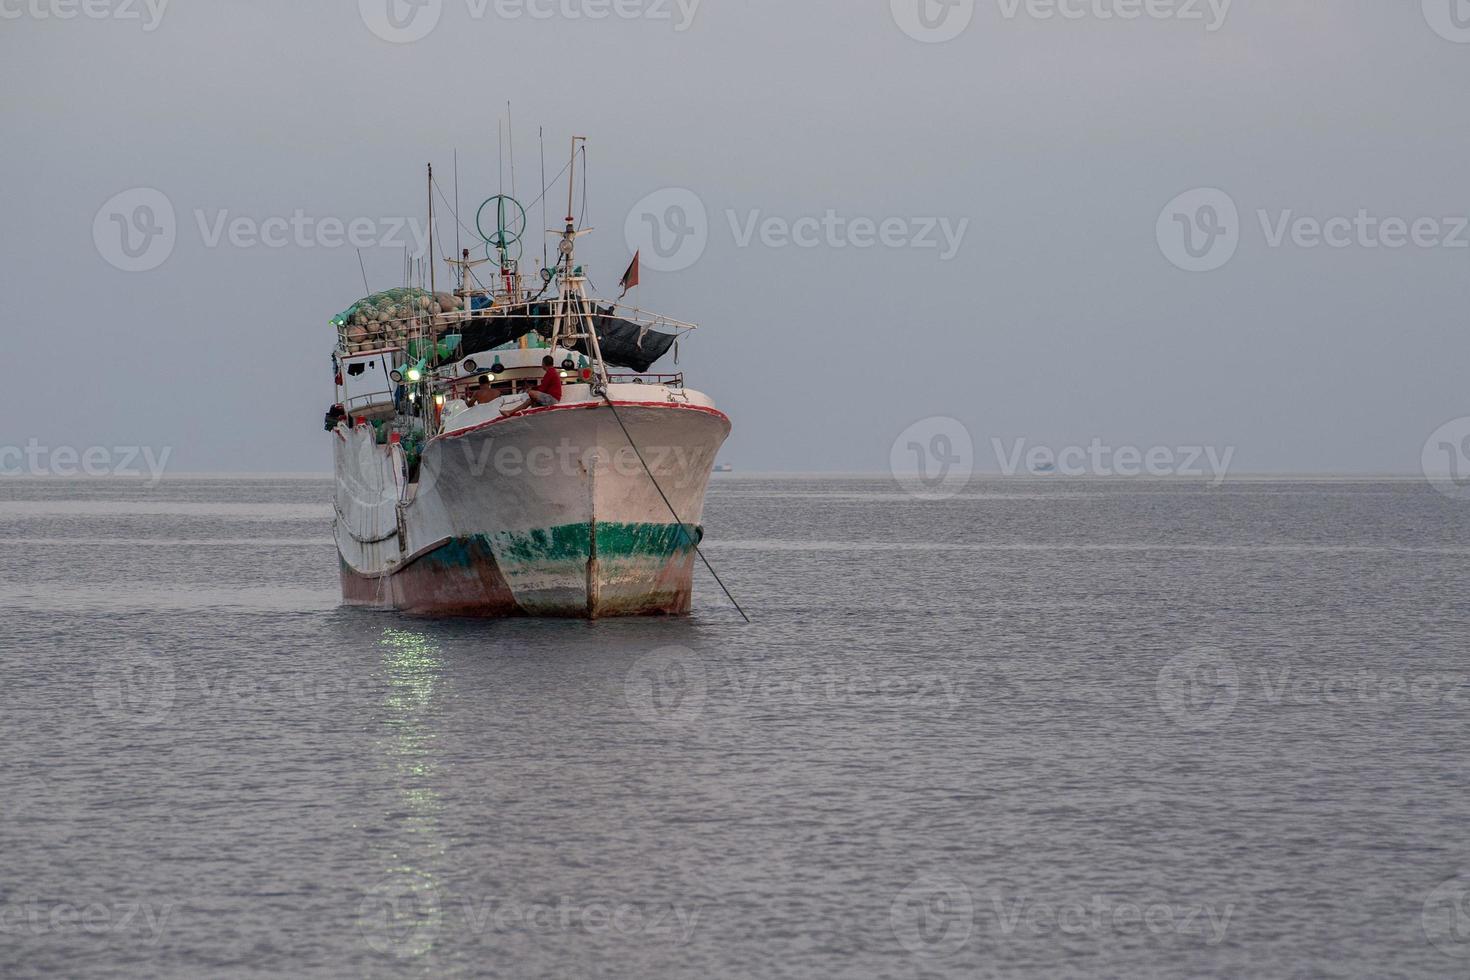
point(697, 549)
point(457, 223)
point(369, 289)
point(582, 221)
point(438, 232)
point(540, 199)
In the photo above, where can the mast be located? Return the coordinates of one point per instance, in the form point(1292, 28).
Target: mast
point(431, 228)
point(566, 252)
point(573, 315)
point(572, 182)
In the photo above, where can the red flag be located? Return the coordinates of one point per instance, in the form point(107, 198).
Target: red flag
point(630, 278)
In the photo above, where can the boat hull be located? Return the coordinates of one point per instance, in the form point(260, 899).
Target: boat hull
point(550, 513)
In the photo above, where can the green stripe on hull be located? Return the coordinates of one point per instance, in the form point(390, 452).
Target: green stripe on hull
point(573, 542)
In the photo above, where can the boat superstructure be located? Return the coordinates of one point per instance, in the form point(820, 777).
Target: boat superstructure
point(456, 496)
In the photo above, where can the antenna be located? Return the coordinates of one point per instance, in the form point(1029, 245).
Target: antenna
point(572, 184)
point(510, 141)
point(541, 135)
point(456, 205)
point(430, 243)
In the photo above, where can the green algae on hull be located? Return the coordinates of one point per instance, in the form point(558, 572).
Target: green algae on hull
point(572, 542)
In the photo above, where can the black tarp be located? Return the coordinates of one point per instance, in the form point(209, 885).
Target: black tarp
point(624, 343)
point(484, 333)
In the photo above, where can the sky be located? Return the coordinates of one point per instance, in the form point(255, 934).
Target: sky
point(1134, 225)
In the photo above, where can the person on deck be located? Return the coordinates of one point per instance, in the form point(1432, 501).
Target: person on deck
point(482, 393)
point(548, 392)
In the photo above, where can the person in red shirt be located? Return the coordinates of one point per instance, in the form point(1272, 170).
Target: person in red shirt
point(548, 392)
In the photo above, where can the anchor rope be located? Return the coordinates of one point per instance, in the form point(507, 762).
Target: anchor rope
point(677, 519)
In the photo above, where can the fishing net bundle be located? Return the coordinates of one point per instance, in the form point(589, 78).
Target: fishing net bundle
point(392, 316)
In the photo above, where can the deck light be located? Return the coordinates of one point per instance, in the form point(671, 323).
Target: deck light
point(410, 372)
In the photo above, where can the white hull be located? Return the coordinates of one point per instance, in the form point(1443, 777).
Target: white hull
point(546, 513)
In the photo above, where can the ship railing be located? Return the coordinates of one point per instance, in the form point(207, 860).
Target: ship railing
point(391, 332)
point(456, 387)
point(672, 380)
point(644, 316)
point(355, 338)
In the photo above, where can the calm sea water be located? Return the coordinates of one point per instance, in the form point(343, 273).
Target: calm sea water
point(1043, 729)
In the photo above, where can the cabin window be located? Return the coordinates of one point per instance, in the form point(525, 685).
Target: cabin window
point(353, 370)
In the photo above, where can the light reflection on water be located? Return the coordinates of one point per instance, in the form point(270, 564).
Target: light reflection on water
point(402, 914)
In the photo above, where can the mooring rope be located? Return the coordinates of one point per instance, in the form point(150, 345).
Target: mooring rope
point(678, 520)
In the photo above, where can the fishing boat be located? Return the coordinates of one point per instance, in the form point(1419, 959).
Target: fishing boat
point(457, 495)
